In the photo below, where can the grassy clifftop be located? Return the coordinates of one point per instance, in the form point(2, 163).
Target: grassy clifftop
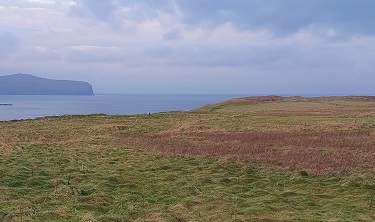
point(317, 106)
point(248, 159)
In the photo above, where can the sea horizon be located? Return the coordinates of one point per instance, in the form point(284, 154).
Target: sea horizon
point(35, 106)
point(18, 107)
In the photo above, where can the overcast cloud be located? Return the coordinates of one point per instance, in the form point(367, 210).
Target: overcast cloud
point(194, 46)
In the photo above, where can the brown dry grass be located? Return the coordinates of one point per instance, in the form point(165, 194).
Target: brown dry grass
point(315, 152)
point(322, 135)
point(341, 143)
point(297, 106)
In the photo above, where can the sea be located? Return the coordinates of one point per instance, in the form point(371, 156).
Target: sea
point(31, 107)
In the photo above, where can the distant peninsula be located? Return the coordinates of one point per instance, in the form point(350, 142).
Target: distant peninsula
point(26, 84)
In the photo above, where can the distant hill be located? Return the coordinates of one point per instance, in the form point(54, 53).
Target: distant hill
point(25, 84)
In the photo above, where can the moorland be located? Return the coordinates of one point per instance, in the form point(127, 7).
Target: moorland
point(263, 159)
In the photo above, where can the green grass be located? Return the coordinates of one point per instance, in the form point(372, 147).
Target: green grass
point(177, 167)
point(127, 184)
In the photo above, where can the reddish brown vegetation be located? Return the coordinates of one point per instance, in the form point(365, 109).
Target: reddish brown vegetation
point(260, 99)
point(315, 152)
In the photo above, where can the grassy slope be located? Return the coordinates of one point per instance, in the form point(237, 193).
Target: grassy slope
point(239, 160)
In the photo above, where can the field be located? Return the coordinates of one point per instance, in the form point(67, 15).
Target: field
point(263, 159)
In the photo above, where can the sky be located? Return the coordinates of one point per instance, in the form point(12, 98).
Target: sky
point(253, 47)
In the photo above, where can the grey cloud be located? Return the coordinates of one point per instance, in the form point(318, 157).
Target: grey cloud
point(96, 54)
point(100, 9)
point(82, 57)
point(350, 15)
point(279, 16)
point(275, 56)
point(282, 16)
point(198, 55)
point(173, 34)
point(158, 51)
point(8, 43)
point(37, 54)
point(164, 5)
point(278, 61)
point(111, 10)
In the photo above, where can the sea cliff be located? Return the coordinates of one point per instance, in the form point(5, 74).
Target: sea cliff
point(25, 84)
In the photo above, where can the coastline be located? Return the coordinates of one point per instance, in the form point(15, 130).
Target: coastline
point(31, 107)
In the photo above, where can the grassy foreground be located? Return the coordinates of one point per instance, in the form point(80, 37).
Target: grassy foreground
point(254, 159)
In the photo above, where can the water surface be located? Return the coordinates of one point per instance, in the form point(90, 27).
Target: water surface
point(28, 107)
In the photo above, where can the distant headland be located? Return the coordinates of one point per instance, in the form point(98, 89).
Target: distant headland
point(26, 84)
